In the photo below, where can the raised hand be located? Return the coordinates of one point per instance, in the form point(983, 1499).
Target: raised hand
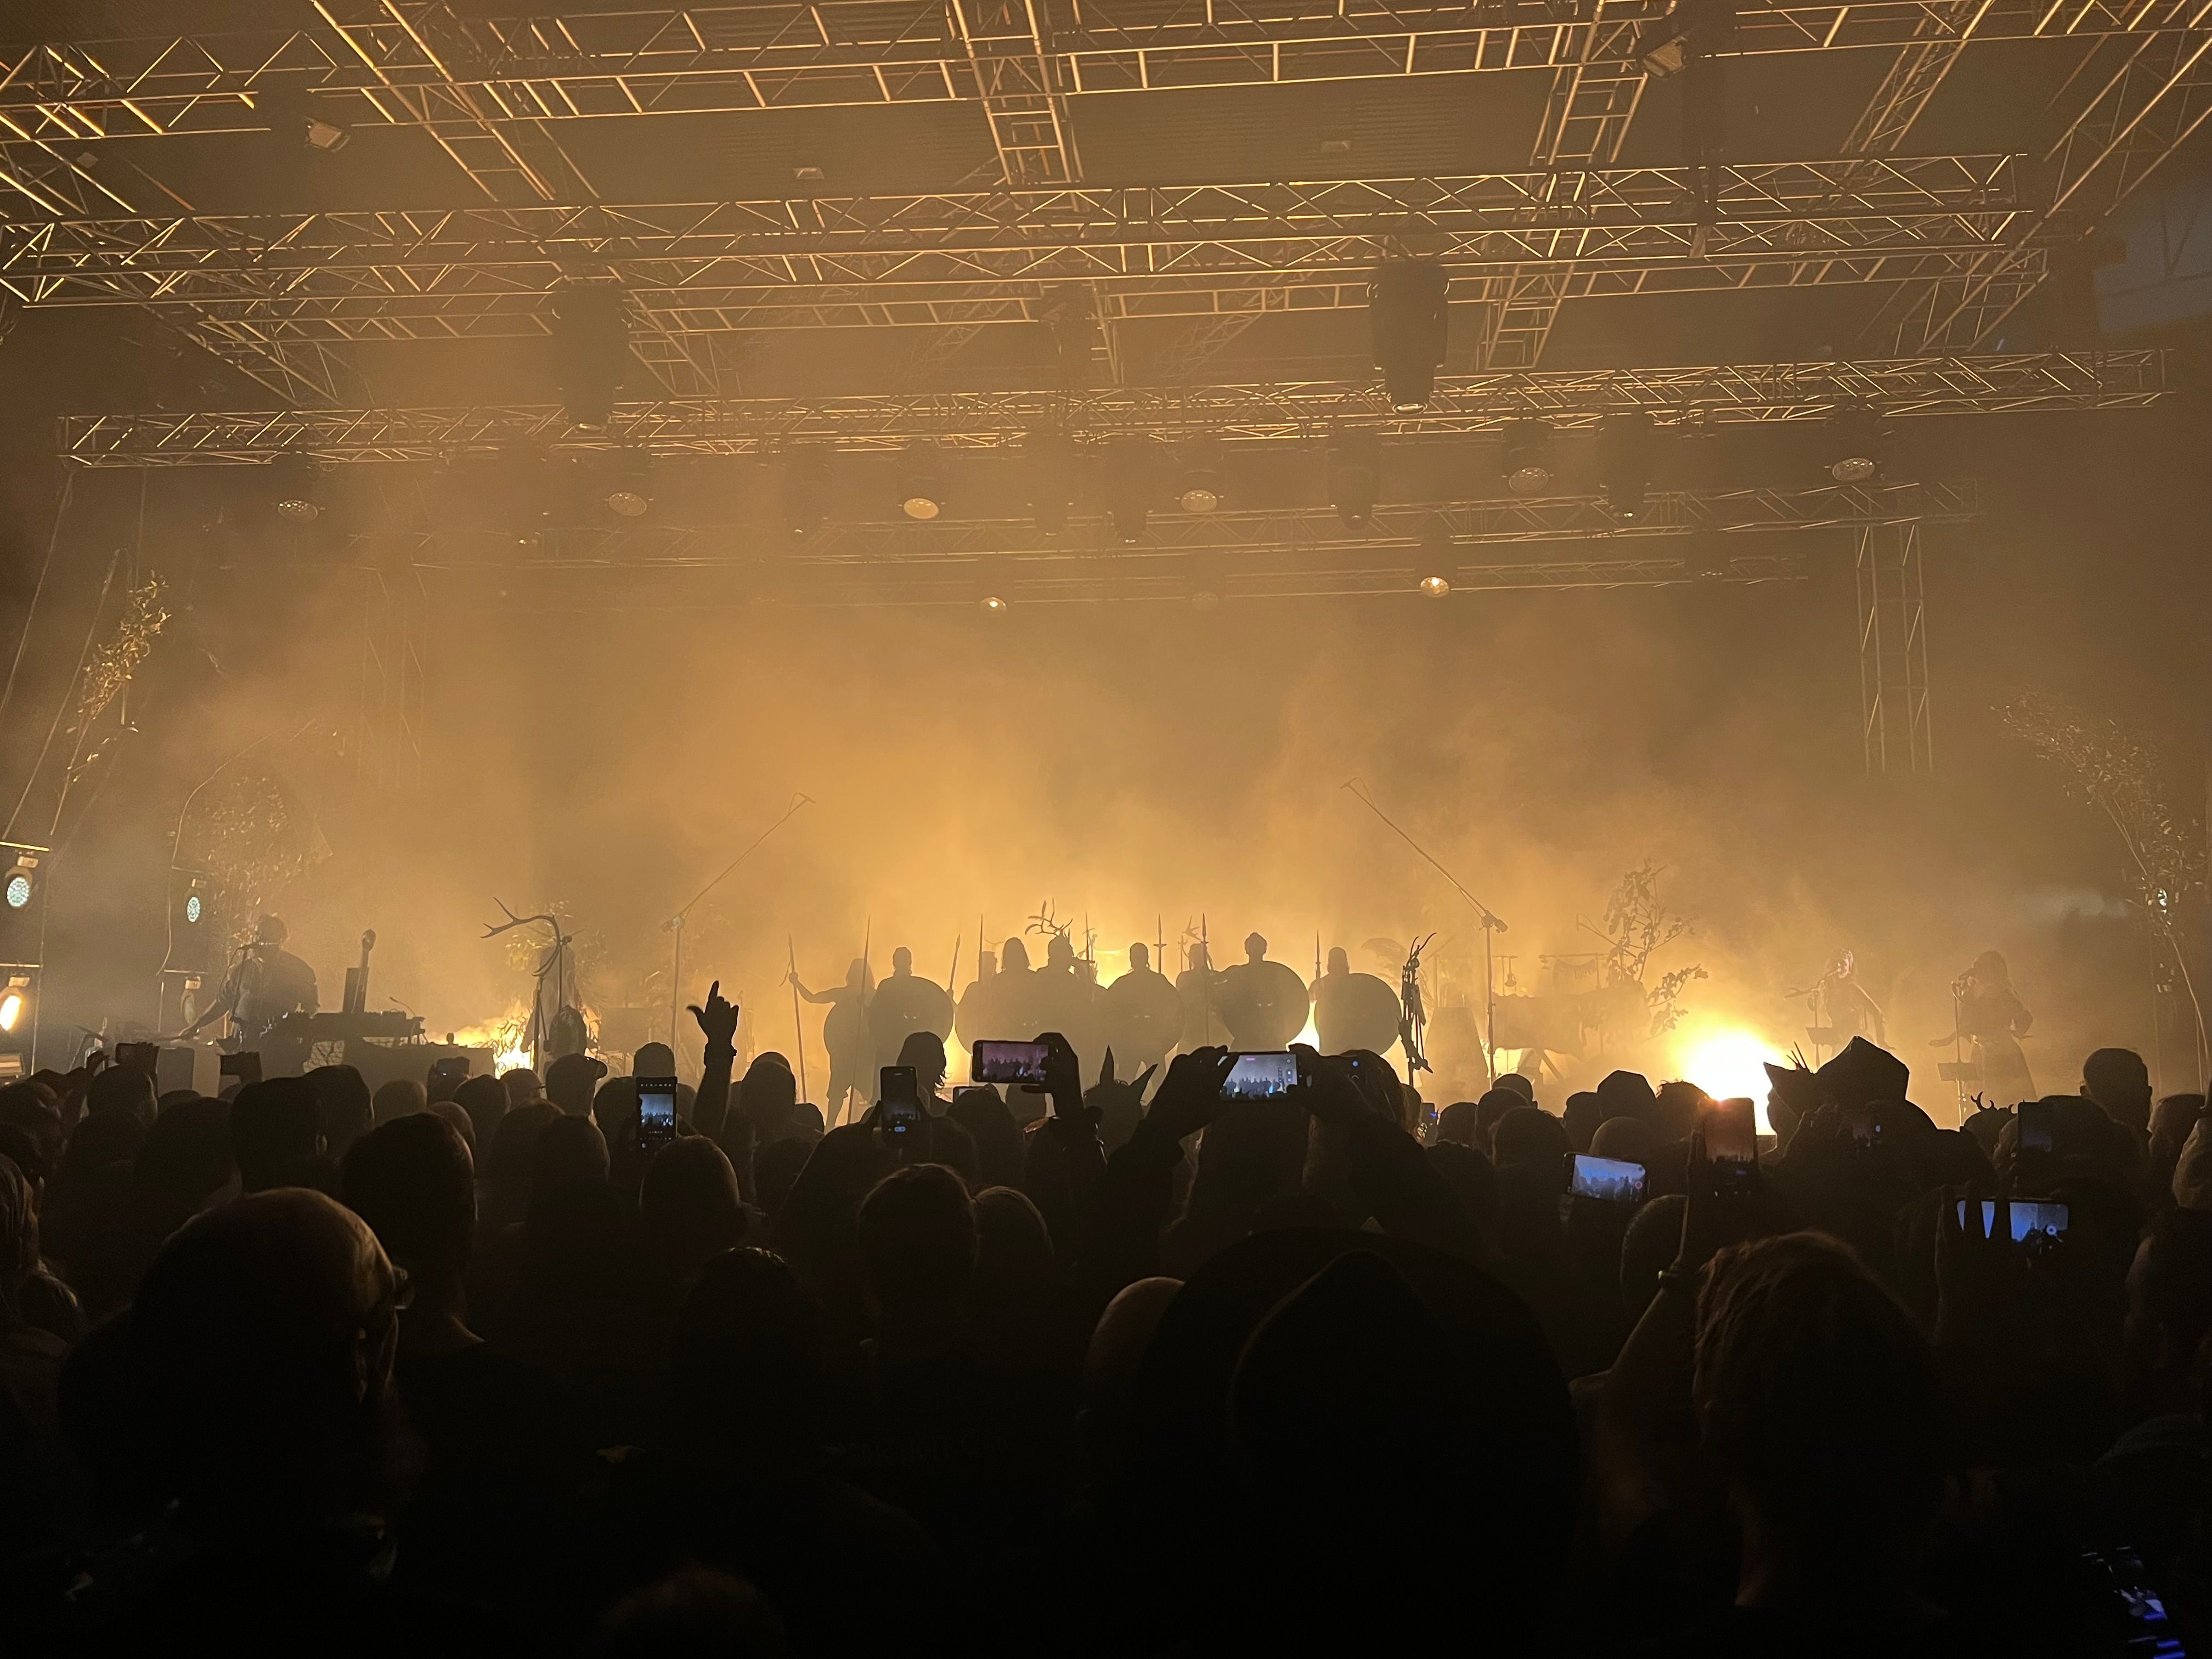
point(1190, 1095)
point(719, 1018)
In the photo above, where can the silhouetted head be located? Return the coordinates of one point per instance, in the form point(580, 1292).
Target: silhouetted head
point(514, 1150)
point(748, 1352)
point(856, 973)
point(924, 1052)
point(1339, 960)
point(769, 1097)
point(1459, 1123)
point(570, 1080)
point(522, 1086)
point(652, 1059)
point(1255, 948)
point(1817, 1400)
point(1676, 1110)
point(688, 1207)
point(1014, 958)
point(902, 962)
point(918, 1240)
point(1990, 969)
point(567, 1149)
point(1583, 1114)
point(184, 1160)
point(271, 930)
point(1528, 1138)
point(1199, 961)
point(1140, 957)
point(2118, 1080)
point(1490, 1110)
point(344, 1106)
point(1013, 1254)
point(1060, 952)
point(274, 1133)
point(485, 1100)
point(412, 1180)
point(262, 1342)
point(121, 1092)
point(398, 1097)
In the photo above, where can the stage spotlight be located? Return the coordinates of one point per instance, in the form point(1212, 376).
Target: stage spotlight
point(21, 885)
point(1857, 440)
point(922, 491)
point(1355, 476)
point(804, 490)
point(1133, 477)
point(994, 605)
point(325, 136)
point(294, 482)
point(1624, 459)
point(591, 351)
point(1525, 457)
point(1692, 29)
point(1436, 586)
point(1410, 326)
point(628, 503)
point(1203, 583)
point(12, 1002)
point(1198, 478)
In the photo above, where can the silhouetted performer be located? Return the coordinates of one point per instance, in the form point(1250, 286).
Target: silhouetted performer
point(1263, 1003)
point(1143, 1016)
point(1063, 997)
point(904, 1004)
point(997, 1007)
point(1852, 1012)
point(845, 1034)
point(1199, 986)
point(1353, 1011)
point(266, 983)
point(1993, 1019)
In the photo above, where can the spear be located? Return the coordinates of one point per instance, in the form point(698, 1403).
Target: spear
point(952, 978)
point(867, 952)
point(798, 1030)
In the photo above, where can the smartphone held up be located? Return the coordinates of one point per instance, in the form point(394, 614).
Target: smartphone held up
point(656, 1111)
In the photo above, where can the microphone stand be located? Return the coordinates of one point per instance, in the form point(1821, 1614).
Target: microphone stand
point(675, 923)
point(1492, 924)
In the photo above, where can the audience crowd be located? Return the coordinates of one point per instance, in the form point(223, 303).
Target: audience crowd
point(1072, 1371)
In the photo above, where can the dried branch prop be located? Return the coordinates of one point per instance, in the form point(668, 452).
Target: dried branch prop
point(2124, 777)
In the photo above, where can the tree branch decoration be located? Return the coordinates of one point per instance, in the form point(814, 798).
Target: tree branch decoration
point(1638, 926)
point(2125, 778)
point(116, 658)
point(254, 838)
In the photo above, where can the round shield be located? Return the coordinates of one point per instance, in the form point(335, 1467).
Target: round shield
point(1354, 1010)
point(905, 1004)
point(1143, 1017)
point(1263, 1004)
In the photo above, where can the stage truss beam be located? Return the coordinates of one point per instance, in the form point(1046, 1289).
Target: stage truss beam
point(387, 67)
point(1463, 404)
point(1680, 537)
point(983, 257)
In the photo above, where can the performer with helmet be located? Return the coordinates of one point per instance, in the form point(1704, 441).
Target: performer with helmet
point(1353, 1011)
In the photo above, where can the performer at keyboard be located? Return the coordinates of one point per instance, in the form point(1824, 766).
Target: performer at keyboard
point(265, 984)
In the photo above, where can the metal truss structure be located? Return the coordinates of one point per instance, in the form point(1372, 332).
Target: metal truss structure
point(1677, 537)
point(1005, 255)
point(396, 62)
point(1893, 719)
point(1465, 404)
point(492, 93)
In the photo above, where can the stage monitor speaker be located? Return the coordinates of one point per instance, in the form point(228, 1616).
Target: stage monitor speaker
point(23, 904)
point(195, 923)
